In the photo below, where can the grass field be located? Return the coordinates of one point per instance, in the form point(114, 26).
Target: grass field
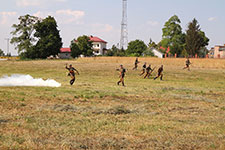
point(184, 111)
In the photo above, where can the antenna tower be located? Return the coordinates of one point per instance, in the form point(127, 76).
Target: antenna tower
point(124, 30)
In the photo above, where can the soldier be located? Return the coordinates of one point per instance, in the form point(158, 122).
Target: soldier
point(122, 75)
point(136, 64)
point(72, 73)
point(149, 70)
point(143, 69)
point(160, 70)
point(187, 64)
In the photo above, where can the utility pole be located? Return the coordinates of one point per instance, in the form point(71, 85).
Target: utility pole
point(7, 39)
point(124, 30)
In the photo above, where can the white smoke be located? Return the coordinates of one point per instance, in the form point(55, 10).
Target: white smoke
point(26, 80)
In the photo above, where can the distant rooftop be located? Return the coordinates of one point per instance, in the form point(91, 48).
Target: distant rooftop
point(65, 50)
point(96, 39)
point(220, 45)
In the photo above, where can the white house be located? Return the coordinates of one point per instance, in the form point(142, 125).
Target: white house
point(99, 45)
point(219, 51)
point(157, 53)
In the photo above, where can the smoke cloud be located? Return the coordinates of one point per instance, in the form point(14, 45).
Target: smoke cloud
point(26, 80)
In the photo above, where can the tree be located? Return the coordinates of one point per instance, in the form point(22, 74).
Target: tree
point(2, 53)
point(75, 50)
point(172, 35)
point(136, 48)
point(23, 34)
point(152, 44)
point(85, 45)
point(114, 51)
point(148, 52)
point(49, 40)
point(195, 38)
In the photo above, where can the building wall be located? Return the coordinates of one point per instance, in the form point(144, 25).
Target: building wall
point(216, 51)
point(157, 53)
point(222, 54)
point(99, 46)
point(64, 55)
point(219, 52)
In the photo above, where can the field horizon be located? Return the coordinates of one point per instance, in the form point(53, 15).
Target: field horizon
point(184, 111)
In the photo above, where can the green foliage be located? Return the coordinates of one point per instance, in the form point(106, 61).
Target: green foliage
point(36, 38)
point(184, 53)
point(203, 52)
point(114, 51)
point(75, 51)
point(172, 36)
point(23, 33)
point(82, 46)
point(136, 48)
point(49, 42)
point(152, 44)
point(195, 38)
point(148, 52)
point(2, 53)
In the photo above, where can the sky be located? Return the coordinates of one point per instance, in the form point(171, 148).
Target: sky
point(102, 18)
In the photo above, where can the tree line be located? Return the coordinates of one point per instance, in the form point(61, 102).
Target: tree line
point(190, 43)
point(39, 38)
point(36, 38)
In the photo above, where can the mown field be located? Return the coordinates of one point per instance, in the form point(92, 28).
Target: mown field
point(184, 111)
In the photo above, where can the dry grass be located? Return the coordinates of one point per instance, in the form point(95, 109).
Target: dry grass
point(185, 111)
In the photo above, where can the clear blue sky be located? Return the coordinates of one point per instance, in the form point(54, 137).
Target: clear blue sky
point(103, 17)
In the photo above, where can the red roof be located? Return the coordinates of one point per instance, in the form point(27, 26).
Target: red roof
point(96, 39)
point(65, 50)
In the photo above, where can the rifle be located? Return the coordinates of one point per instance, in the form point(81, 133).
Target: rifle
point(152, 70)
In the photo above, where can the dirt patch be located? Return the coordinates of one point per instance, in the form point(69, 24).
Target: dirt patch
point(114, 110)
point(118, 110)
point(194, 97)
point(3, 121)
point(65, 108)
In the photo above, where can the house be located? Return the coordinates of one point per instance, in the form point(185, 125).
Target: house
point(157, 53)
point(99, 45)
point(65, 53)
point(219, 51)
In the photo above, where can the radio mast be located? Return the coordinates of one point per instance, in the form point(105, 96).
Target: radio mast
point(124, 30)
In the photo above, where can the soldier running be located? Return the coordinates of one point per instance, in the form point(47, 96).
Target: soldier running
point(122, 75)
point(187, 64)
point(160, 70)
point(72, 73)
point(149, 70)
point(136, 64)
point(143, 69)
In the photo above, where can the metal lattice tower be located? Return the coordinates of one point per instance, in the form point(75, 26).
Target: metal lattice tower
point(124, 30)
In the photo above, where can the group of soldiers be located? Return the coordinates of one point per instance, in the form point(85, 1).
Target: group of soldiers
point(145, 70)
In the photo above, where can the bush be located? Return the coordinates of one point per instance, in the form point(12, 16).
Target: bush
point(136, 48)
point(148, 52)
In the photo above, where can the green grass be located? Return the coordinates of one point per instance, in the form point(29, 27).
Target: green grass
point(185, 111)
